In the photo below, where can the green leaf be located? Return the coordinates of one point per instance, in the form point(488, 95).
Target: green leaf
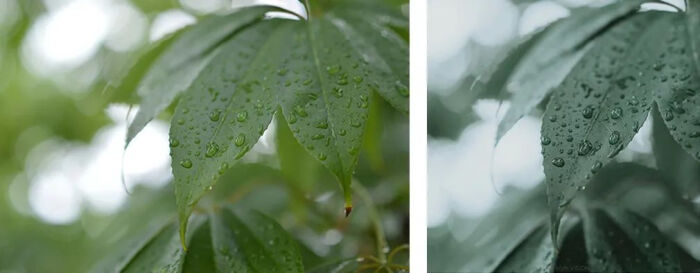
point(252, 242)
point(177, 67)
point(311, 70)
point(297, 166)
point(161, 254)
point(677, 82)
point(555, 53)
point(343, 266)
point(384, 50)
point(621, 241)
point(216, 122)
point(598, 108)
point(225, 241)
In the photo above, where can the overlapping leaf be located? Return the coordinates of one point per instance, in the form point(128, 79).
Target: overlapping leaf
point(226, 241)
point(174, 70)
point(543, 66)
point(599, 107)
point(677, 83)
point(319, 73)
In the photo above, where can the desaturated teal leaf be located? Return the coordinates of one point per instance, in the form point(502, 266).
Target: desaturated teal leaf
point(554, 55)
point(178, 66)
point(598, 108)
point(568, 35)
point(499, 232)
point(218, 119)
point(621, 241)
point(534, 254)
point(384, 50)
point(677, 83)
point(651, 194)
point(672, 159)
point(252, 242)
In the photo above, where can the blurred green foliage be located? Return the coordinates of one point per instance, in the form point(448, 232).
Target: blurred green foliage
point(308, 203)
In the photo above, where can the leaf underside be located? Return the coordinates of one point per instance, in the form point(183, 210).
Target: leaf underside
point(226, 241)
point(320, 75)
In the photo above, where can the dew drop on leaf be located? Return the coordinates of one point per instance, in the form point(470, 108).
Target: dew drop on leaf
point(558, 162)
point(186, 163)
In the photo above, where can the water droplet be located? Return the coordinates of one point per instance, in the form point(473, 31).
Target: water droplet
point(300, 111)
point(215, 115)
point(317, 136)
point(212, 149)
point(342, 81)
point(357, 79)
point(401, 88)
point(338, 92)
point(322, 125)
point(614, 138)
point(582, 188)
point(332, 70)
point(186, 163)
point(596, 166)
point(616, 113)
point(174, 143)
point(342, 132)
point(545, 140)
point(242, 116)
point(223, 168)
point(587, 112)
point(584, 148)
point(558, 162)
point(239, 140)
point(180, 121)
point(321, 156)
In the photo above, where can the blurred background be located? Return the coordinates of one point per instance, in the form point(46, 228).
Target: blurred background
point(70, 196)
point(467, 176)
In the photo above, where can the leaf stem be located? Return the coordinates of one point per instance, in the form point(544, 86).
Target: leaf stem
point(374, 217)
point(672, 5)
point(308, 10)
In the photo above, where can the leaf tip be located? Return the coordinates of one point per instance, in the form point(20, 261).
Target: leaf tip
point(348, 210)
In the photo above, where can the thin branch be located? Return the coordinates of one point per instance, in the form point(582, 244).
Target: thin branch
point(374, 217)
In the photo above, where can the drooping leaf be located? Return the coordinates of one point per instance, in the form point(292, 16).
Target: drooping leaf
point(161, 254)
point(499, 232)
point(174, 70)
point(297, 166)
point(384, 50)
point(534, 254)
point(312, 70)
point(599, 107)
point(555, 53)
point(677, 83)
point(225, 241)
point(651, 194)
point(620, 241)
point(217, 121)
point(672, 159)
point(252, 242)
